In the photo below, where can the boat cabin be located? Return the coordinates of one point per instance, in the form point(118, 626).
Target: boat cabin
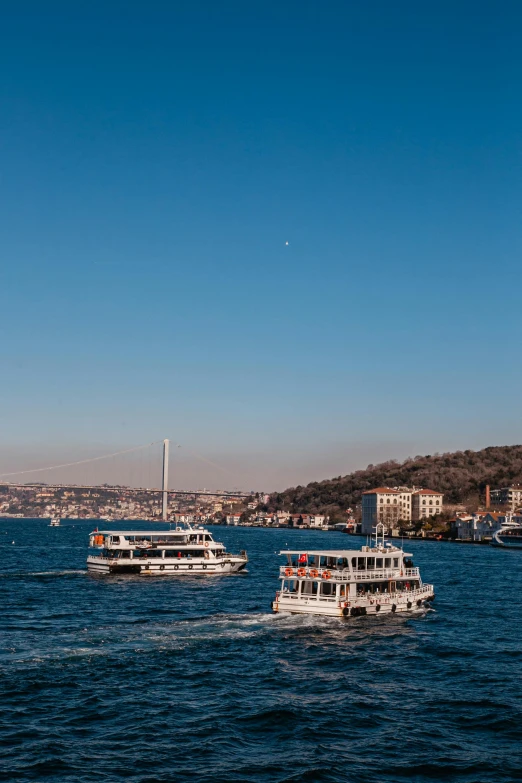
point(338, 575)
point(136, 544)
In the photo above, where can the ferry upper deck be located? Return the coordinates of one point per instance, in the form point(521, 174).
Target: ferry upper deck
point(132, 538)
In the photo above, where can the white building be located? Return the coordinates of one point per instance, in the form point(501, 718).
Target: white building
point(475, 527)
point(391, 505)
point(425, 504)
point(380, 505)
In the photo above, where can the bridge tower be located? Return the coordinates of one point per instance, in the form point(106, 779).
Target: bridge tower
point(165, 483)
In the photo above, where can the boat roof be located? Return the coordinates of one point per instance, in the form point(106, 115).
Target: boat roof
point(179, 531)
point(343, 552)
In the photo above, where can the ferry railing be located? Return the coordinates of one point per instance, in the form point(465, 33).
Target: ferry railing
point(346, 575)
point(370, 598)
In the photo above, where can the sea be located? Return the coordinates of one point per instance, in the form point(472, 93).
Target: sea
point(173, 679)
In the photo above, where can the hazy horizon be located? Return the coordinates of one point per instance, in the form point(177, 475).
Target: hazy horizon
point(189, 470)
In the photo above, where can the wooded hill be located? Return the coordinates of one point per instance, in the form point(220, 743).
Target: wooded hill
point(461, 475)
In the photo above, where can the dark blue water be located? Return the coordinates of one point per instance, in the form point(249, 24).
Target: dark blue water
point(149, 680)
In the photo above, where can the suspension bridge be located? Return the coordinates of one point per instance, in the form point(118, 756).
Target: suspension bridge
point(139, 475)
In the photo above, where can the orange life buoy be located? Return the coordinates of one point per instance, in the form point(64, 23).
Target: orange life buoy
point(301, 572)
point(326, 575)
point(289, 571)
point(206, 543)
point(314, 572)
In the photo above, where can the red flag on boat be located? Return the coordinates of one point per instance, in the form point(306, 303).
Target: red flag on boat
point(95, 530)
point(302, 558)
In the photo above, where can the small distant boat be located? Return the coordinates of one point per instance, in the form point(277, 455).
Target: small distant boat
point(379, 579)
point(54, 522)
point(509, 535)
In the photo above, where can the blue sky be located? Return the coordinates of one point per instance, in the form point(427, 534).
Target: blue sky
point(156, 157)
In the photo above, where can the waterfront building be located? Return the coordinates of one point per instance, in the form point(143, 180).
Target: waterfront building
point(380, 505)
point(390, 505)
point(425, 504)
point(479, 525)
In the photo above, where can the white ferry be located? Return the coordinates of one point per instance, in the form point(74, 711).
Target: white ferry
point(377, 579)
point(54, 523)
point(183, 551)
point(509, 535)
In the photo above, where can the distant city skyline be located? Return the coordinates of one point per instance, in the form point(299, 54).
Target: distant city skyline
point(285, 236)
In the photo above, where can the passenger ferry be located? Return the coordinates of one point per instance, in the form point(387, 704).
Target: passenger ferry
point(379, 579)
point(183, 551)
point(54, 523)
point(509, 535)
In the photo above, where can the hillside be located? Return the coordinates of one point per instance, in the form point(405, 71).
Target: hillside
point(461, 475)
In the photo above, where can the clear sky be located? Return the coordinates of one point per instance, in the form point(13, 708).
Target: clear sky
point(284, 234)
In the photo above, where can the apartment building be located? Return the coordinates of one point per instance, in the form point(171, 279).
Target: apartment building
point(380, 505)
point(511, 497)
point(390, 505)
point(425, 503)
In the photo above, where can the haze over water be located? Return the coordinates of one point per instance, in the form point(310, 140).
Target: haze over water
point(164, 680)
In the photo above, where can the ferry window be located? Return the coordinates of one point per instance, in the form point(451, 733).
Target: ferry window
point(309, 588)
point(387, 562)
point(354, 562)
point(323, 561)
point(292, 585)
point(378, 562)
point(154, 553)
point(327, 588)
point(125, 553)
point(361, 563)
point(342, 590)
point(115, 539)
point(370, 565)
point(395, 562)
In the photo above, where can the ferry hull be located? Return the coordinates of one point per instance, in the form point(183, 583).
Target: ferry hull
point(507, 541)
point(416, 602)
point(227, 566)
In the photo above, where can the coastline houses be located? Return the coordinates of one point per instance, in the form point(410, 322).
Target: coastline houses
point(479, 525)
